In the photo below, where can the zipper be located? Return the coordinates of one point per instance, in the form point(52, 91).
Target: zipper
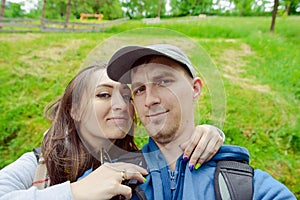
point(172, 179)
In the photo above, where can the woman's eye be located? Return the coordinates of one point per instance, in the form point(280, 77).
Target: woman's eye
point(139, 90)
point(103, 95)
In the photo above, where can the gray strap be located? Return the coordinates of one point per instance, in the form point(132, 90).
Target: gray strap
point(233, 181)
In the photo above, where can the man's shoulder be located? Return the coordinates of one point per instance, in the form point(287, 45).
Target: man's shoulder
point(266, 185)
point(232, 152)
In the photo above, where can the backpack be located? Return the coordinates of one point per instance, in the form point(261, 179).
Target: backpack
point(233, 180)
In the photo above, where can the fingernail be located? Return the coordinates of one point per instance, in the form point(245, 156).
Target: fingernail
point(185, 159)
point(197, 166)
point(191, 167)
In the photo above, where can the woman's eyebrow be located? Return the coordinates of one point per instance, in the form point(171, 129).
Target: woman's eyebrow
point(104, 85)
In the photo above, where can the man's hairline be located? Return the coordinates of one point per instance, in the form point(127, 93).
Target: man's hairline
point(186, 73)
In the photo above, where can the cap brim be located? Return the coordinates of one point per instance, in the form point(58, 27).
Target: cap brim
point(121, 62)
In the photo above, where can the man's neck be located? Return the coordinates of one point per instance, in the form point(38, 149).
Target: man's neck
point(172, 150)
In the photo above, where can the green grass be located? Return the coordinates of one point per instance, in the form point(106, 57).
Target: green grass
point(260, 74)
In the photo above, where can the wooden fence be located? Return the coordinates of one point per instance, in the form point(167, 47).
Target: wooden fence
point(32, 25)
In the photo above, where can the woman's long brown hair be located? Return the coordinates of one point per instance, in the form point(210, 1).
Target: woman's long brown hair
point(65, 155)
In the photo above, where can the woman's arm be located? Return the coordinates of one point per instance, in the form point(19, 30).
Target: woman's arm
point(16, 182)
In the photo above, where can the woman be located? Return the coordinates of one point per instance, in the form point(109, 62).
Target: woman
point(88, 120)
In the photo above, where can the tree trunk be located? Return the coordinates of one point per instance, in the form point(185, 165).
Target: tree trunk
point(276, 2)
point(159, 9)
point(288, 7)
point(2, 11)
point(43, 15)
point(68, 13)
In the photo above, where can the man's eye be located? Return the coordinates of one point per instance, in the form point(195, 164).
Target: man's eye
point(103, 95)
point(139, 90)
point(163, 82)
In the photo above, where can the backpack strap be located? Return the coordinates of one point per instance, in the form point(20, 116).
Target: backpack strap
point(41, 179)
point(233, 180)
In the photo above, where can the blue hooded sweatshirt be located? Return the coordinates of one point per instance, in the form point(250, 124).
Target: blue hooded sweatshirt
point(182, 184)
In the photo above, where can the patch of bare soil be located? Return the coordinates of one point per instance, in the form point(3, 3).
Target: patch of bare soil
point(37, 61)
point(232, 62)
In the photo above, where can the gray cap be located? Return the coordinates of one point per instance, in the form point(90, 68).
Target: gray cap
point(122, 61)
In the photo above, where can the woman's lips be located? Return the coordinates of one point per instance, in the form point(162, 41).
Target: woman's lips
point(118, 120)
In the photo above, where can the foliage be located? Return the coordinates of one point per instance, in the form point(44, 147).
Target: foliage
point(191, 7)
point(144, 8)
point(56, 9)
point(13, 10)
point(260, 72)
point(113, 9)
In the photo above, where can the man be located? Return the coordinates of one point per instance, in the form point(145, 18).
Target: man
point(165, 88)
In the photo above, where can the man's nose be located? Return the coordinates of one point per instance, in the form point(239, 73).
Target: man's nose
point(152, 97)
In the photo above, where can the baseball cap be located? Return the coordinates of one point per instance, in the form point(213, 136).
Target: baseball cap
point(123, 59)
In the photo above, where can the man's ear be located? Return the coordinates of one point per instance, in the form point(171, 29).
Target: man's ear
point(197, 87)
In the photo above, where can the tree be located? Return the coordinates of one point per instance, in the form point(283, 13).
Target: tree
point(111, 9)
point(13, 10)
point(43, 14)
point(134, 8)
point(68, 13)
point(274, 12)
point(291, 6)
point(191, 7)
point(2, 11)
point(2, 8)
point(144, 8)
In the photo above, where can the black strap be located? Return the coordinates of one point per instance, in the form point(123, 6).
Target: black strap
point(136, 158)
point(37, 153)
point(140, 193)
point(233, 181)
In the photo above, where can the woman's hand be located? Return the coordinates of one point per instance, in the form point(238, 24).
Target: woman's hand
point(105, 181)
point(204, 144)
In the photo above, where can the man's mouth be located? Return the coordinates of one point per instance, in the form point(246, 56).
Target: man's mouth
point(157, 114)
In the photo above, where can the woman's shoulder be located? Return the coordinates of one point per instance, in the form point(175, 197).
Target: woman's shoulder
point(29, 157)
point(26, 161)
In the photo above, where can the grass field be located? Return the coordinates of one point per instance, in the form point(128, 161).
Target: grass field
point(260, 73)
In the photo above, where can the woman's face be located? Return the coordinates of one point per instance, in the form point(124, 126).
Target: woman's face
point(109, 113)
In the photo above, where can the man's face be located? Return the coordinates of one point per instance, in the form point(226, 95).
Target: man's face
point(163, 97)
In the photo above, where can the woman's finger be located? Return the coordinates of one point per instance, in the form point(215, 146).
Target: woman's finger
point(133, 174)
point(215, 147)
point(206, 143)
point(193, 142)
point(124, 190)
point(207, 148)
point(126, 171)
